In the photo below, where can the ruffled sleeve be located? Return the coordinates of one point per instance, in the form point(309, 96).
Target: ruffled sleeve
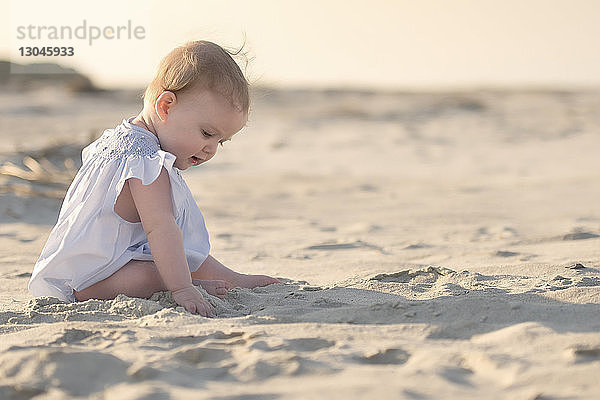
point(145, 167)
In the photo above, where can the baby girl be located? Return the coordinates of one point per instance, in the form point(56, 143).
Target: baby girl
point(129, 223)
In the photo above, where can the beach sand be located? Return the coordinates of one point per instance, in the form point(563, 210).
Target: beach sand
point(431, 245)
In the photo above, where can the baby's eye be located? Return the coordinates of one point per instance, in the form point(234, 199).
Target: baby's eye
point(206, 133)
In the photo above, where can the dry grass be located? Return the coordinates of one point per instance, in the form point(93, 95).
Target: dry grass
point(38, 176)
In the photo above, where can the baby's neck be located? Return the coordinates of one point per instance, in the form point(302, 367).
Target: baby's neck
point(144, 121)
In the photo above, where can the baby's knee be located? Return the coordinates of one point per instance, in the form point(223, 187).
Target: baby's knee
point(149, 284)
point(139, 282)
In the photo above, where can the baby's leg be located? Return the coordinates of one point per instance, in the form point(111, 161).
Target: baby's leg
point(139, 279)
point(134, 279)
point(213, 269)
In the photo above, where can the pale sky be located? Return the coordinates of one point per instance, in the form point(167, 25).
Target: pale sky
point(378, 43)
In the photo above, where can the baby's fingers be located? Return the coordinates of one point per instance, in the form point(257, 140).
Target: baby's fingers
point(191, 307)
point(202, 309)
point(206, 310)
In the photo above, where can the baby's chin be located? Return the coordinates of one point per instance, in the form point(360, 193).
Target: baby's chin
point(182, 166)
point(187, 163)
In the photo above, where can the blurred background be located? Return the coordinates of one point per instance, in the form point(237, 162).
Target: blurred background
point(380, 44)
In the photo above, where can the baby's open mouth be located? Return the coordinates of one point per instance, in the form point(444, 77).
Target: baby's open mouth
point(196, 160)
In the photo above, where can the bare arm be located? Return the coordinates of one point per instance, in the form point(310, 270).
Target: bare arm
point(155, 208)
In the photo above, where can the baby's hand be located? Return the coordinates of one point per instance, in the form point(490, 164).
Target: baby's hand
point(191, 299)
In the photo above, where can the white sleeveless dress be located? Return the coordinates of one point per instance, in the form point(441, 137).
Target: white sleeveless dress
point(90, 241)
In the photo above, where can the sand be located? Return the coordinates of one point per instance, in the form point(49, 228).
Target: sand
point(431, 245)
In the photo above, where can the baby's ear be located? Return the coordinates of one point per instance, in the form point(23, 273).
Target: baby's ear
point(163, 104)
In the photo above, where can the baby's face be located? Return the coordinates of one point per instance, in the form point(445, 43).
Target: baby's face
point(194, 123)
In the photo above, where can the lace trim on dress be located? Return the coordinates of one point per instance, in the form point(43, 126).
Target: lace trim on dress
point(121, 144)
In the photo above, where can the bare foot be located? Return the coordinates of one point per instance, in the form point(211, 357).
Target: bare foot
point(216, 288)
point(213, 269)
point(252, 281)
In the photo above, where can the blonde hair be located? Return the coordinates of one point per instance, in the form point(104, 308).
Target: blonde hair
point(200, 64)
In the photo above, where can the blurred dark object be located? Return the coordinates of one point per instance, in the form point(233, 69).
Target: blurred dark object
point(33, 76)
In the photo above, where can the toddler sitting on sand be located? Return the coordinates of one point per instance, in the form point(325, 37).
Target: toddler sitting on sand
point(129, 223)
